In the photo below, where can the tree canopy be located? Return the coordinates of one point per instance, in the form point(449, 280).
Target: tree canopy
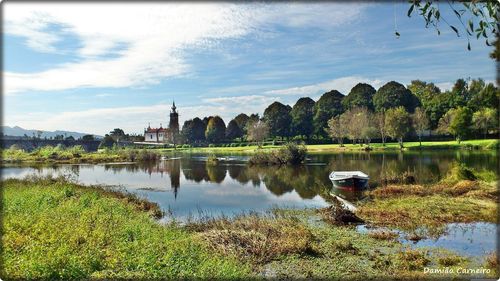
point(277, 116)
point(329, 105)
point(398, 123)
point(360, 95)
point(233, 130)
point(216, 129)
point(302, 117)
point(394, 94)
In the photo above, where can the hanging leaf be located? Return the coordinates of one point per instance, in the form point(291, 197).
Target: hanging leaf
point(438, 14)
point(455, 29)
point(488, 43)
point(397, 34)
point(468, 46)
point(410, 10)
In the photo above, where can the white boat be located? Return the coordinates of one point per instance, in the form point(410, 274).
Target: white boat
point(349, 180)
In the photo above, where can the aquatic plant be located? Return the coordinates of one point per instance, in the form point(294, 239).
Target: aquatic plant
point(290, 153)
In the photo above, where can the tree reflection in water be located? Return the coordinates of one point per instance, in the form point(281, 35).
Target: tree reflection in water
point(307, 181)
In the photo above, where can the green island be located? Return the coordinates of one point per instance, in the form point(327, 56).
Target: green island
point(56, 229)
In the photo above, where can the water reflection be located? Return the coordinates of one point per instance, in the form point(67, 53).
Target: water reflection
point(233, 185)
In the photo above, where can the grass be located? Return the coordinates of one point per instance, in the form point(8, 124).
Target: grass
point(469, 144)
point(77, 154)
point(284, 244)
point(54, 229)
point(461, 197)
point(487, 144)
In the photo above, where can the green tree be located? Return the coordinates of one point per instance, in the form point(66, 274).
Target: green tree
point(107, 142)
point(187, 131)
point(302, 117)
point(487, 96)
point(241, 119)
point(216, 129)
point(445, 122)
point(485, 119)
point(199, 128)
point(398, 123)
point(424, 91)
point(360, 95)
point(420, 122)
point(329, 105)
point(394, 94)
point(117, 134)
point(437, 107)
point(460, 93)
point(461, 123)
point(277, 116)
point(88, 138)
point(233, 130)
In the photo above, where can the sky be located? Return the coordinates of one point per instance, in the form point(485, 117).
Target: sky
point(92, 67)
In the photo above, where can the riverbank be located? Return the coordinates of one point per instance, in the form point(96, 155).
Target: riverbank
point(488, 144)
point(78, 155)
point(54, 229)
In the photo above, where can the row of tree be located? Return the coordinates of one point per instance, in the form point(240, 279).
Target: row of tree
point(420, 106)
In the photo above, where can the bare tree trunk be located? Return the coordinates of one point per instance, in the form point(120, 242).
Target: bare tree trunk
point(400, 140)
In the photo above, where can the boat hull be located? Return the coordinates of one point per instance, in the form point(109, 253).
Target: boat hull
point(350, 184)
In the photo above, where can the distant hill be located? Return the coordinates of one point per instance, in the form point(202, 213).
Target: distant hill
point(17, 131)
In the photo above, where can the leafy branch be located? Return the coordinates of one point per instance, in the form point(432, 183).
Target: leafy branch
point(480, 16)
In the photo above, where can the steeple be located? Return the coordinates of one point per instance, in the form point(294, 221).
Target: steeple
point(173, 107)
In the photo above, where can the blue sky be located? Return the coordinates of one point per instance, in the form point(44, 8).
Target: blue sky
point(92, 67)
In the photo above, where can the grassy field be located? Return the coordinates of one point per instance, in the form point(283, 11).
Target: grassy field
point(489, 144)
point(58, 230)
point(54, 229)
point(77, 154)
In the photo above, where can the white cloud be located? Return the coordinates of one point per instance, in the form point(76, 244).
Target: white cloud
point(343, 85)
point(146, 41)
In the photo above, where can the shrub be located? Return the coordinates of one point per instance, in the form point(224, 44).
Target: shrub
point(461, 172)
point(211, 145)
point(290, 153)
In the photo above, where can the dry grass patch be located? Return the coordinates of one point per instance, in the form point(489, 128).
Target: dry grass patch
point(336, 214)
point(256, 238)
point(383, 235)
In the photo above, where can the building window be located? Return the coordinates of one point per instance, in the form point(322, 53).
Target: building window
point(151, 136)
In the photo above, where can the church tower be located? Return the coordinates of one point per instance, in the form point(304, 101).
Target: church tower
point(174, 120)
